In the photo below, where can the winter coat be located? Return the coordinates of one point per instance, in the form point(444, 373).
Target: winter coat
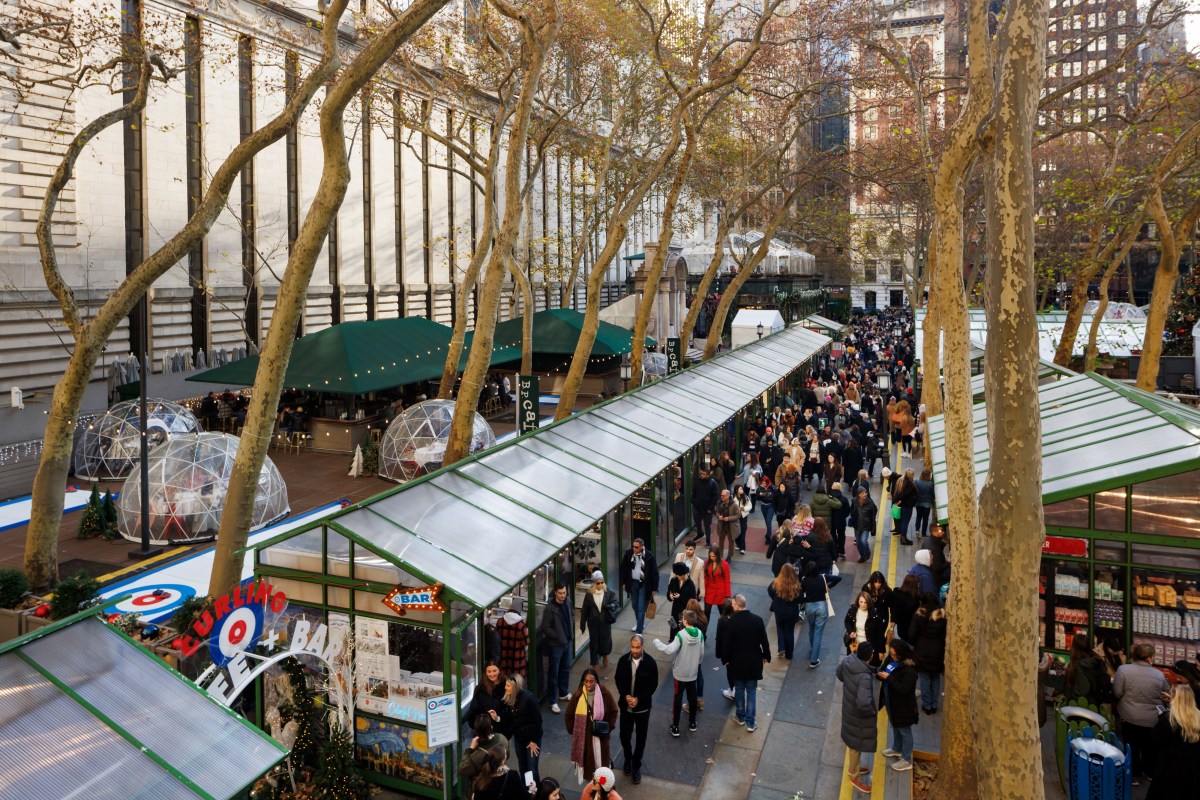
point(927, 635)
point(1174, 764)
point(852, 461)
point(553, 628)
point(784, 503)
point(716, 586)
point(705, 494)
point(841, 510)
point(859, 727)
point(473, 758)
point(902, 606)
point(786, 551)
point(679, 592)
point(764, 495)
point(876, 626)
point(824, 553)
point(822, 506)
point(926, 577)
point(1138, 687)
point(687, 646)
point(731, 512)
point(785, 611)
point(905, 494)
point(610, 716)
point(862, 517)
point(649, 571)
point(1091, 681)
point(924, 494)
point(645, 685)
point(696, 572)
point(744, 646)
point(899, 694)
point(591, 619)
point(526, 719)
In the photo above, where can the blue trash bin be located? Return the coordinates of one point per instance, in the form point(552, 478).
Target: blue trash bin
point(1098, 768)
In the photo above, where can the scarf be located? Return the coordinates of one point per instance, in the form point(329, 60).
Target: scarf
point(579, 731)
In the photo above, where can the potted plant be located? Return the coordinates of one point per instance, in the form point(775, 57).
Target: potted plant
point(14, 589)
point(73, 595)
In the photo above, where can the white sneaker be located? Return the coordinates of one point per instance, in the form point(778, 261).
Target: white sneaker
point(555, 709)
point(890, 753)
point(728, 693)
point(900, 765)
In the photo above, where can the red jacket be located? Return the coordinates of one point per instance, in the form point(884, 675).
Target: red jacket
point(716, 587)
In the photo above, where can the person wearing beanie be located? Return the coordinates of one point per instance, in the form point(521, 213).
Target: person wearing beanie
point(601, 787)
point(680, 589)
point(596, 618)
point(924, 571)
point(859, 712)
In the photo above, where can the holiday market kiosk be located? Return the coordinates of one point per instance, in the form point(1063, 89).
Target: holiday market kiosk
point(1121, 488)
point(87, 712)
point(418, 572)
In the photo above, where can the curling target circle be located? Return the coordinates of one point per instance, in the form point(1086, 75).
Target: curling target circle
point(152, 601)
point(238, 631)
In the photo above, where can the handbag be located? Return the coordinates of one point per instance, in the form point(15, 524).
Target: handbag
point(828, 602)
point(895, 512)
point(651, 609)
point(833, 570)
point(600, 727)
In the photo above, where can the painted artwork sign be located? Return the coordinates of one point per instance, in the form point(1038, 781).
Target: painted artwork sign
point(397, 751)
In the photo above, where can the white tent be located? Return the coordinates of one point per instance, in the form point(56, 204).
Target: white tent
point(746, 323)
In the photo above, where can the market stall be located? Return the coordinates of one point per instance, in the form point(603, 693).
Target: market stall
point(420, 572)
point(1121, 488)
point(99, 716)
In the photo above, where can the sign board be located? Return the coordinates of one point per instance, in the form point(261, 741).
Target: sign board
point(836, 350)
point(1065, 546)
point(528, 395)
point(420, 598)
point(674, 355)
point(640, 506)
point(441, 720)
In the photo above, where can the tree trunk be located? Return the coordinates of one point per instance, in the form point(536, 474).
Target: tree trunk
point(931, 355)
point(654, 269)
point(710, 274)
point(1089, 359)
point(277, 350)
point(470, 282)
point(1010, 508)
point(537, 41)
point(1164, 286)
point(526, 289)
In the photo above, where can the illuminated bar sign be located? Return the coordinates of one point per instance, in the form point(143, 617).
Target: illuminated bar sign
point(422, 598)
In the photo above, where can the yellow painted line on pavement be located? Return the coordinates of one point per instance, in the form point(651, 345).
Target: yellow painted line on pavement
point(142, 564)
point(884, 516)
point(881, 765)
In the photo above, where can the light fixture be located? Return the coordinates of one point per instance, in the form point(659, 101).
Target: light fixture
point(760, 330)
point(626, 372)
point(884, 381)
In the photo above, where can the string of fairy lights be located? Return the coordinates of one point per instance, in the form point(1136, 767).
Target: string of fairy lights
point(32, 451)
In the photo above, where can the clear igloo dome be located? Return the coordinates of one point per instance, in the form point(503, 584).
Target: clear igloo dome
point(189, 476)
point(654, 366)
point(109, 447)
point(416, 440)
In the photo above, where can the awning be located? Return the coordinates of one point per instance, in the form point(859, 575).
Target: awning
point(635, 257)
point(823, 324)
point(556, 331)
point(1117, 337)
point(1096, 435)
point(85, 712)
point(532, 496)
point(361, 357)
point(1048, 372)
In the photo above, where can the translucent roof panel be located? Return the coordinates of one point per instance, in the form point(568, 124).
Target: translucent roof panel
point(1117, 337)
point(485, 524)
point(1096, 435)
point(87, 690)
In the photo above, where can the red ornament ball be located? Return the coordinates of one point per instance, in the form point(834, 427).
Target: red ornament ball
point(42, 611)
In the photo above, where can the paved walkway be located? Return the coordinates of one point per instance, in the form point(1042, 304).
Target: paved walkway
point(797, 752)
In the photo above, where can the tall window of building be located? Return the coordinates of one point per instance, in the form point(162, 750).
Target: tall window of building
point(896, 271)
point(870, 271)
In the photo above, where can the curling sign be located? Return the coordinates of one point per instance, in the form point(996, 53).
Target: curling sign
point(236, 627)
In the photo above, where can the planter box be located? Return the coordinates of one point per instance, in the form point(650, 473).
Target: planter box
point(10, 624)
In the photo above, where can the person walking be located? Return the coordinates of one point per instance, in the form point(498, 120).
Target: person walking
point(745, 650)
point(1176, 769)
point(927, 634)
point(904, 496)
point(818, 546)
point(705, 494)
point(596, 618)
point(729, 514)
point(556, 632)
point(695, 564)
point(838, 517)
point(859, 711)
point(813, 591)
point(717, 582)
point(863, 512)
point(687, 647)
point(764, 498)
point(745, 506)
point(899, 697)
point(525, 722)
point(784, 549)
point(639, 578)
point(1139, 687)
point(637, 681)
point(587, 708)
point(784, 592)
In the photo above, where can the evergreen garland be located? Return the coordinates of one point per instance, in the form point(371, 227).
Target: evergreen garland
point(92, 523)
point(338, 777)
point(307, 748)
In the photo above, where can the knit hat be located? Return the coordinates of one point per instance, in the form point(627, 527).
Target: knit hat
point(605, 777)
point(923, 557)
point(597, 576)
point(887, 473)
point(679, 568)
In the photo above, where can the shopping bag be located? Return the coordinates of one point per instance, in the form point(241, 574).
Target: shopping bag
point(651, 610)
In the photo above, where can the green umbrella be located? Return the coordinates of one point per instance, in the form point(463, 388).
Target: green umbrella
point(360, 357)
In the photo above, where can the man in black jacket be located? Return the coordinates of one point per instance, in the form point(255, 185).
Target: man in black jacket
point(705, 494)
point(637, 680)
point(639, 577)
point(556, 634)
point(744, 649)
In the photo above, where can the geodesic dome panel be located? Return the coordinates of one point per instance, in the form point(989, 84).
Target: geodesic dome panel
point(416, 440)
point(189, 476)
point(109, 447)
point(654, 366)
